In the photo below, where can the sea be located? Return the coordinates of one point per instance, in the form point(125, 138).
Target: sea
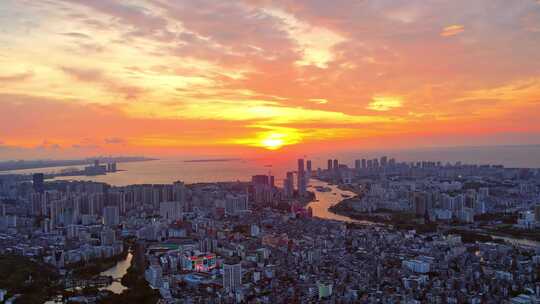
point(198, 169)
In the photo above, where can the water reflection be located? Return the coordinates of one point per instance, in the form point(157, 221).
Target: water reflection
point(117, 272)
point(328, 199)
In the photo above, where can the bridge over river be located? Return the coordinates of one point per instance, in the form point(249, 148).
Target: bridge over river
point(100, 281)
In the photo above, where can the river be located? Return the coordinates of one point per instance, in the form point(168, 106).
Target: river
point(325, 200)
point(117, 272)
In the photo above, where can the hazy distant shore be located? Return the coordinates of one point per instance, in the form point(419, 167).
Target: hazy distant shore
point(38, 164)
point(212, 160)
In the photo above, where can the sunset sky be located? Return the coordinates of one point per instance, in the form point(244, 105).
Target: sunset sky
point(159, 77)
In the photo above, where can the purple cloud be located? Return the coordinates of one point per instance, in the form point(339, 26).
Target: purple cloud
point(98, 76)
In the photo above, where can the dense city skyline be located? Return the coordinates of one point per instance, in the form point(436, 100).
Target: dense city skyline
point(83, 78)
point(381, 230)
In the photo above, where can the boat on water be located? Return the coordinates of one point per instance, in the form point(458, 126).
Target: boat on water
point(323, 189)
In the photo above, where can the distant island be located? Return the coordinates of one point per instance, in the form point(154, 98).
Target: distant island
point(36, 164)
point(212, 160)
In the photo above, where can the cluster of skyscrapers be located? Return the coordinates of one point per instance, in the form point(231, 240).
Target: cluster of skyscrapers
point(303, 175)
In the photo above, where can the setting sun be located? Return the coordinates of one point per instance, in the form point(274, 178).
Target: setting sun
point(273, 139)
point(272, 143)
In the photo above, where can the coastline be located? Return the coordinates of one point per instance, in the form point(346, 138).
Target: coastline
point(12, 167)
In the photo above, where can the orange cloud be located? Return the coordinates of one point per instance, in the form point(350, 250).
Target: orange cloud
point(162, 75)
point(385, 103)
point(452, 30)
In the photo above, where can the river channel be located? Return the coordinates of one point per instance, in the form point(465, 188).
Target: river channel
point(117, 272)
point(325, 200)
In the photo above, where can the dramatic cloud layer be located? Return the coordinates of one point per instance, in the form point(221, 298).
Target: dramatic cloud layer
point(157, 76)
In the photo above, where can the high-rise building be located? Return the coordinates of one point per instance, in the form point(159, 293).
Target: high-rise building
point(232, 276)
point(166, 193)
point(179, 191)
point(56, 207)
point(153, 276)
point(357, 164)
point(384, 161)
point(38, 181)
point(76, 210)
point(364, 166)
point(107, 236)
point(208, 245)
point(111, 167)
point(111, 216)
point(236, 203)
point(288, 185)
point(329, 165)
point(336, 172)
point(420, 203)
point(537, 212)
point(308, 171)
point(301, 182)
point(170, 211)
point(260, 180)
point(301, 165)
point(262, 191)
point(157, 195)
point(95, 203)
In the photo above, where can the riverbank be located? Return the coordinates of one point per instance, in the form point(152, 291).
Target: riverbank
point(409, 221)
point(510, 232)
point(344, 208)
point(34, 281)
point(94, 268)
point(398, 220)
point(138, 290)
point(128, 285)
point(326, 199)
